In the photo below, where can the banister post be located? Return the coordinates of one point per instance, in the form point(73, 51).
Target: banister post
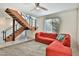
point(13, 29)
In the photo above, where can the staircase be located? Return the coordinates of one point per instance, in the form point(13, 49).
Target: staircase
point(19, 31)
point(25, 26)
point(16, 16)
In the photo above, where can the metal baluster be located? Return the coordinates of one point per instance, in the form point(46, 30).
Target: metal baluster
point(16, 27)
point(5, 35)
point(35, 24)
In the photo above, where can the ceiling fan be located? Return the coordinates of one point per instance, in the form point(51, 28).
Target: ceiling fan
point(37, 7)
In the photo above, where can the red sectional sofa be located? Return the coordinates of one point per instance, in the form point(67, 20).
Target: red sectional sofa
point(60, 47)
point(57, 49)
point(45, 38)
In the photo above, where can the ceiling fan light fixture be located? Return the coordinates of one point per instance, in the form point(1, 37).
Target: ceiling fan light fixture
point(37, 8)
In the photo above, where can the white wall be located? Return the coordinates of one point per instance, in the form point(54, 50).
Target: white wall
point(78, 28)
point(40, 24)
point(68, 24)
point(5, 22)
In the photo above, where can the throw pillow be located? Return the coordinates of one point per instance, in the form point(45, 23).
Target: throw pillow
point(60, 37)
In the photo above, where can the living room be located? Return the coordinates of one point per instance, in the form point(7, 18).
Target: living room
point(40, 18)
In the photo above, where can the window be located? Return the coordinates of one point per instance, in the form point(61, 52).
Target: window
point(52, 25)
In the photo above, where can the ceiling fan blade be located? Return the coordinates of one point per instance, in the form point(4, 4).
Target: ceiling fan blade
point(33, 9)
point(43, 8)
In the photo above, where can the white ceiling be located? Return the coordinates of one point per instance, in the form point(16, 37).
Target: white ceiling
point(52, 7)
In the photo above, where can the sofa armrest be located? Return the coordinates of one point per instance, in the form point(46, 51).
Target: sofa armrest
point(67, 40)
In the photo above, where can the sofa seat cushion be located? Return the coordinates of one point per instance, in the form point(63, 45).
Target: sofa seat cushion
point(57, 49)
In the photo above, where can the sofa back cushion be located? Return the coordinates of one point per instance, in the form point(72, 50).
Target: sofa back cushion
point(49, 35)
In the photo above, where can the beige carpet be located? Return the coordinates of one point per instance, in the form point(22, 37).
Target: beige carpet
point(31, 48)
